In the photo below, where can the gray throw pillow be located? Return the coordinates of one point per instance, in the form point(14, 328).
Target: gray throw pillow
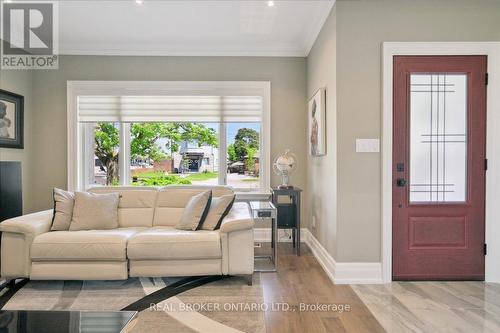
point(95, 211)
point(195, 211)
point(63, 209)
point(219, 208)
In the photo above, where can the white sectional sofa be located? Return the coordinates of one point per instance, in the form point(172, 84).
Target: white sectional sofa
point(146, 244)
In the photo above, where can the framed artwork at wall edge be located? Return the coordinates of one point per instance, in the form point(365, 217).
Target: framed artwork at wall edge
point(317, 123)
point(11, 120)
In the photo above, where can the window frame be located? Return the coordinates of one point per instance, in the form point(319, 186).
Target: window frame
point(78, 133)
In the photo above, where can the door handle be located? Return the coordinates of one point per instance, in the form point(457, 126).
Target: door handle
point(401, 182)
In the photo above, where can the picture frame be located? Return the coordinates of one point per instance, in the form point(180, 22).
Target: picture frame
point(11, 120)
point(316, 115)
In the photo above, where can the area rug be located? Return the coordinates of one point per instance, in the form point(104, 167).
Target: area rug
point(191, 304)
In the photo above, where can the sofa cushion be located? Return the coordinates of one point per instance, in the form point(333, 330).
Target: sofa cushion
point(82, 245)
point(173, 199)
point(137, 204)
point(63, 209)
point(219, 208)
point(195, 211)
point(95, 211)
point(167, 243)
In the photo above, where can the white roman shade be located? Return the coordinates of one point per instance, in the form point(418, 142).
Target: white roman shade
point(170, 108)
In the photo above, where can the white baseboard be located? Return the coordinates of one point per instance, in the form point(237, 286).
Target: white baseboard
point(344, 272)
point(358, 273)
point(322, 256)
point(338, 272)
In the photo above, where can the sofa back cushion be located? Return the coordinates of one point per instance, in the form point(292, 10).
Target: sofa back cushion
point(195, 211)
point(95, 211)
point(137, 204)
point(63, 209)
point(219, 208)
point(173, 199)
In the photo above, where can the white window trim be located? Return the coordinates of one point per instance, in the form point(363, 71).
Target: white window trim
point(492, 209)
point(129, 88)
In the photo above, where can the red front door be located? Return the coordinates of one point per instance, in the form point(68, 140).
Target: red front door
point(439, 150)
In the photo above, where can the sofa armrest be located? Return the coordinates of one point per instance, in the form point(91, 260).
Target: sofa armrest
point(239, 218)
point(17, 236)
point(237, 241)
point(29, 225)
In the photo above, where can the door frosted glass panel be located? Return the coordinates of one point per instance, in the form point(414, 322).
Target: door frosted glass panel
point(438, 137)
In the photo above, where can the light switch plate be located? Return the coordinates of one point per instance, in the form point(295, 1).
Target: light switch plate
point(367, 145)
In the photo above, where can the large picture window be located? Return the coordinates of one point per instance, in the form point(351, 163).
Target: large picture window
point(149, 139)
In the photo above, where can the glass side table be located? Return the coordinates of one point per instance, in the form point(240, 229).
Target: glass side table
point(263, 210)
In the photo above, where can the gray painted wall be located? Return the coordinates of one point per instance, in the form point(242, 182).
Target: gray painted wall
point(21, 82)
point(361, 28)
point(322, 170)
point(288, 95)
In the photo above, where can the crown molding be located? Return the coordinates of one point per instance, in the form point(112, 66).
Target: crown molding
point(153, 50)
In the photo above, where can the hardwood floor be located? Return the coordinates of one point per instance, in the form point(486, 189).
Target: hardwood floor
point(397, 307)
point(301, 280)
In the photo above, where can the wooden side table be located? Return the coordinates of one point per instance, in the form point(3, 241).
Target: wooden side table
point(289, 213)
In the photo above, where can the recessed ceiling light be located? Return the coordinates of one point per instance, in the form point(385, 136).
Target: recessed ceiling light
point(270, 3)
point(8, 1)
point(139, 2)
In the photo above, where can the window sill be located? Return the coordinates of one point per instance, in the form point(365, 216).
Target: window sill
point(259, 195)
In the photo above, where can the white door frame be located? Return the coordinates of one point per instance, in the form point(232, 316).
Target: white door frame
point(492, 213)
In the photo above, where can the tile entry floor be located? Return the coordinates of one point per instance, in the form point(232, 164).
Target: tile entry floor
point(434, 306)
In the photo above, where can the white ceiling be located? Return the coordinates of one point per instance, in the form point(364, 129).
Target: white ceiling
point(205, 28)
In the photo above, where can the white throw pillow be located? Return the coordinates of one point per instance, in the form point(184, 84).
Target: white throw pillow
point(95, 211)
point(63, 209)
point(195, 212)
point(219, 208)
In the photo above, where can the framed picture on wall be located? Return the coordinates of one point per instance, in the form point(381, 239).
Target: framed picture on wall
point(11, 120)
point(317, 123)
